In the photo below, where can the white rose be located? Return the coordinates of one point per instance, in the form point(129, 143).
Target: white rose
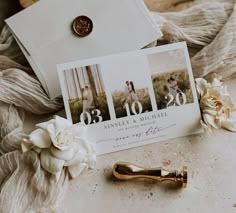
point(61, 144)
point(59, 131)
point(216, 104)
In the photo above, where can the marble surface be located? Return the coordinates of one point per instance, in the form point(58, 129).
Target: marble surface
point(211, 162)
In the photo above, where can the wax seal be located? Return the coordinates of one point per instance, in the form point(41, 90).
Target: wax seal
point(82, 26)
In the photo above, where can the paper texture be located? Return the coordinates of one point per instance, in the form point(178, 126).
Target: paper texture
point(134, 98)
point(44, 33)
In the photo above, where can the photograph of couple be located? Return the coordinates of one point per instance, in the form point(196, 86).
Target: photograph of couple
point(129, 88)
point(171, 81)
point(86, 94)
point(173, 87)
point(130, 92)
point(135, 100)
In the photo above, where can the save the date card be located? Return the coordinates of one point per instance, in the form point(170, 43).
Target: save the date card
point(132, 99)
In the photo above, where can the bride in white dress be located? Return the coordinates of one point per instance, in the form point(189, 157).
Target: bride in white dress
point(87, 97)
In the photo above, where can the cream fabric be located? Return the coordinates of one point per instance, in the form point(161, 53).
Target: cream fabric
point(209, 29)
point(24, 185)
point(220, 55)
point(197, 25)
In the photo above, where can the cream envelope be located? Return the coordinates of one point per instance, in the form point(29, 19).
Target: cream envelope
point(44, 33)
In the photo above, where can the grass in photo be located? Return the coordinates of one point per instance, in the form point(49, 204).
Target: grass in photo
point(128, 83)
point(172, 89)
point(170, 79)
point(87, 98)
point(131, 101)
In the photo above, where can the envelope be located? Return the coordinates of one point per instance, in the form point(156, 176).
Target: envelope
point(44, 33)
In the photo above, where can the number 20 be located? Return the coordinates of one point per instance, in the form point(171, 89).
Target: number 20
point(177, 98)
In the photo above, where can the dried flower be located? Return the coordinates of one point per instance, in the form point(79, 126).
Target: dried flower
point(61, 144)
point(216, 104)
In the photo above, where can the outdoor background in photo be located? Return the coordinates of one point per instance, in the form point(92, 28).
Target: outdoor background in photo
point(170, 78)
point(162, 90)
point(128, 83)
point(121, 101)
point(86, 94)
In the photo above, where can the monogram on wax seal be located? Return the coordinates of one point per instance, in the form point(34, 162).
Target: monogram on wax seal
point(82, 26)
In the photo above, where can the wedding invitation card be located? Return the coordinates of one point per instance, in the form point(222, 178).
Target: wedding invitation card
point(132, 99)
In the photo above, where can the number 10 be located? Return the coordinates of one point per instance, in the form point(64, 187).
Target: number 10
point(133, 108)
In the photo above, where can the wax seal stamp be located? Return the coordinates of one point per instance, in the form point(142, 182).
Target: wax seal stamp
point(82, 26)
point(128, 171)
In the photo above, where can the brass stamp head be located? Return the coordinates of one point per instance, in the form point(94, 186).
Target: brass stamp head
point(128, 171)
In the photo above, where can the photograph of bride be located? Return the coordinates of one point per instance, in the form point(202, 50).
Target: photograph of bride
point(170, 79)
point(86, 95)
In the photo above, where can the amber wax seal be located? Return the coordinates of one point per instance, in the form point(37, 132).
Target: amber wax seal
point(82, 26)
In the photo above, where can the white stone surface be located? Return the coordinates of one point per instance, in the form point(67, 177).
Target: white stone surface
point(211, 162)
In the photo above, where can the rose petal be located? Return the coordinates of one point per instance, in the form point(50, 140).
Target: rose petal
point(60, 124)
point(213, 93)
point(219, 120)
point(210, 120)
point(228, 101)
point(206, 127)
point(211, 102)
point(77, 169)
point(209, 111)
point(45, 124)
point(79, 130)
point(37, 150)
point(201, 86)
point(50, 163)
point(78, 158)
point(64, 140)
point(58, 128)
point(56, 177)
point(229, 124)
point(54, 127)
point(224, 90)
point(70, 135)
point(40, 138)
point(216, 82)
point(66, 155)
point(86, 154)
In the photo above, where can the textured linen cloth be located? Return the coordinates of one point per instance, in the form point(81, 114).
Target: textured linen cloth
point(24, 185)
point(207, 26)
